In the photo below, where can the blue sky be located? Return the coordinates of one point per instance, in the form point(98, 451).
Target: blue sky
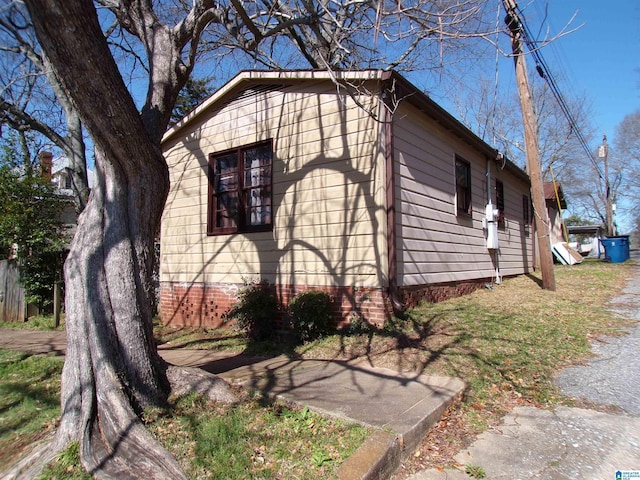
point(598, 60)
point(601, 59)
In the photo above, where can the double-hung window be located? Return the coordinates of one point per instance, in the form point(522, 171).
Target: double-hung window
point(463, 187)
point(240, 182)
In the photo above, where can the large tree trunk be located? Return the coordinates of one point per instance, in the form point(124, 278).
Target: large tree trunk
point(112, 366)
point(112, 370)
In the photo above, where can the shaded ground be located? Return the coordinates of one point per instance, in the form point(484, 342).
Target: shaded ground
point(507, 344)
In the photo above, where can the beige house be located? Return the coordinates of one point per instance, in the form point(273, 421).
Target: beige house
point(353, 182)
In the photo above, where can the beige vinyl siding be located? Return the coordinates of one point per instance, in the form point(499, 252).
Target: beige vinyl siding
point(434, 244)
point(328, 193)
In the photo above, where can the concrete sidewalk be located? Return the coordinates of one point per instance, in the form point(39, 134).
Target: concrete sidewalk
point(402, 407)
point(564, 444)
point(571, 443)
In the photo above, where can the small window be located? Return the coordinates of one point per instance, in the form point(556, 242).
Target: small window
point(526, 213)
point(463, 186)
point(240, 182)
point(500, 203)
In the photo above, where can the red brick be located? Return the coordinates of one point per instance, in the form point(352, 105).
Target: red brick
point(205, 305)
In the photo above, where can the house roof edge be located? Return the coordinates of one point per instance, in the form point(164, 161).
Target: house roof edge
point(407, 90)
point(247, 76)
point(425, 103)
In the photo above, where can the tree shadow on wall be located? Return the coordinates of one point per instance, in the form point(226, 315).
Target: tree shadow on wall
point(327, 206)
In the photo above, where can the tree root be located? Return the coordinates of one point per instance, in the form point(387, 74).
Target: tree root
point(184, 380)
point(28, 467)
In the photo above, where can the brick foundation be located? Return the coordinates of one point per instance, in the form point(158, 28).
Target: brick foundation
point(412, 296)
point(204, 305)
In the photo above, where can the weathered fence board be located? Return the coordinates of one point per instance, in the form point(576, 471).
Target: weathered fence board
point(12, 305)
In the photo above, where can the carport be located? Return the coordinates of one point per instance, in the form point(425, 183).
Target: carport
point(596, 231)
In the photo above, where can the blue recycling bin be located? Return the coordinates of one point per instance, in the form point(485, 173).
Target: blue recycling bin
point(616, 249)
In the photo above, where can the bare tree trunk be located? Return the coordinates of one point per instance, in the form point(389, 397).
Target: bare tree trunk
point(112, 370)
point(75, 150)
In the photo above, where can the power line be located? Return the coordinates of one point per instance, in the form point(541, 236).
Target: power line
point(544, 71)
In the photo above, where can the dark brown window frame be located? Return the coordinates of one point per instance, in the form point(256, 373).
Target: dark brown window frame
point(527, 213)
point(467, 207)
point(241, 190)
point(500, 203)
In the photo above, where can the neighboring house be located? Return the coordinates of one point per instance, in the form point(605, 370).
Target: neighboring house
point(556, 203)
point(61, 177)
point(368, 190)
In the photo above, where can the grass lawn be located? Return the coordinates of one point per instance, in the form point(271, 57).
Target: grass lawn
point(506, 343)
point(29, 400)
point(256, 438)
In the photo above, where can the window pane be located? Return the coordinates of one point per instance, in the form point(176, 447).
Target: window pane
point(226, 173)
point(226, 210)
point(500, 195)
point(462, 176)
point(500, 203)
point(257, 164)
point(258, 206)
point(257, 183)
point(463, 186)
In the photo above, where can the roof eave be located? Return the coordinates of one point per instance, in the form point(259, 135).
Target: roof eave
point(248, 76)
point(422, 101)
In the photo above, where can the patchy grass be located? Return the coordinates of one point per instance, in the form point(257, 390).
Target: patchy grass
point(66, 466)
point(226, 339)
point(508, 344)
point(220, 339)
point(29, 400)
point(39, 322)
point(255, 438)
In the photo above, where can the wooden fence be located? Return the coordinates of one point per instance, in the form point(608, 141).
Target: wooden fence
point(12, 304)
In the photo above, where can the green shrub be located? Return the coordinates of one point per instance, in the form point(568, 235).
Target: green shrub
point(30, 220)
point(255, 311)
point(311, 315)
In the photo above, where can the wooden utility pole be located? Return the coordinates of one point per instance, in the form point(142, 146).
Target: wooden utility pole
point(604, 154)
point(531, 147)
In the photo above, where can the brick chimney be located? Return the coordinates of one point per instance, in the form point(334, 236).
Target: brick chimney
point(46, 164)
